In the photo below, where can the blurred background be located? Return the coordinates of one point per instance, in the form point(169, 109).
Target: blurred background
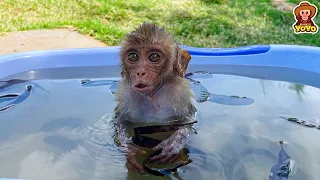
point(199, 23)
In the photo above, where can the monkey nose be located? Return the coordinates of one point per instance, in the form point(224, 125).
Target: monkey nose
point(140, 74)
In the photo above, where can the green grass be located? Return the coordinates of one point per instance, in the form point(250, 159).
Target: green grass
point(315, 2)
point(200, 23)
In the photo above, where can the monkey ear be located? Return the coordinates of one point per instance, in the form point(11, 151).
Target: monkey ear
point(182, 64)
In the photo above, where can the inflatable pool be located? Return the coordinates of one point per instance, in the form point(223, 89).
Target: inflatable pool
point(42, 71)
point(282, 56)
point(246, 61)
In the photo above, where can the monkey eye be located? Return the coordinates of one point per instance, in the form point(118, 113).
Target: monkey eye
point(154, 57)
point(133, 57)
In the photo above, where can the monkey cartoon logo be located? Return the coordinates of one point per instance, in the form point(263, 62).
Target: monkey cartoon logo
point(304, 14)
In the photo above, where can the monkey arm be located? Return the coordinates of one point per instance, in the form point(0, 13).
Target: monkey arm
point(173, 145)
point(120, 135)
point(176, 141)
point(122, 139)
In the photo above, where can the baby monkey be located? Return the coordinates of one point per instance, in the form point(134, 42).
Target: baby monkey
point(153, 90)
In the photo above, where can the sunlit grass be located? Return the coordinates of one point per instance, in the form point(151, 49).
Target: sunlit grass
point(315, 2)
point(201, 23)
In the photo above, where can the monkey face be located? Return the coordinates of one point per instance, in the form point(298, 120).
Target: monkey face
point(305, 14)
point(150, 57)
point(147, 67)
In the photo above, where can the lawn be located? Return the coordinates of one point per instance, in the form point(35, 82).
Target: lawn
point(315, 2)
point(200, 23)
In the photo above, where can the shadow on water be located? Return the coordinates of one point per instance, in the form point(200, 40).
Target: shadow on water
point(299, 88)
point(263, 86)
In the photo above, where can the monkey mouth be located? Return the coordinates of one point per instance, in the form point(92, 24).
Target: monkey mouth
point(142, 88)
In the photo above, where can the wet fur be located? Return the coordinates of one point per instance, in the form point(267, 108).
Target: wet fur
point(173, 99)
point(174, 96)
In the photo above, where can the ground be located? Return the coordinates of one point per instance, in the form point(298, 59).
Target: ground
point(32, 40)
point(199, 23)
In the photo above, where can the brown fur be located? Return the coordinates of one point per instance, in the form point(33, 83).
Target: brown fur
point(173, 96)
point(172, 100)
point(167, 97)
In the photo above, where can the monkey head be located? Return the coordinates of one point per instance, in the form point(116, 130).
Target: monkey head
point(305, 14)
point(150, 57)
point(305, 11)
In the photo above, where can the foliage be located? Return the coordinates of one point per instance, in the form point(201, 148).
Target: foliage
point(200, 23)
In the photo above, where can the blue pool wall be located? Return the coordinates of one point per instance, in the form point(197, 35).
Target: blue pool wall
point(292, 56)
point(305, 58)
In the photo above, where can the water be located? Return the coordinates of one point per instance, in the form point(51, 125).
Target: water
point(61, 130)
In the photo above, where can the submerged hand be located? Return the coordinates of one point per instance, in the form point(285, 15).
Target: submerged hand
point(132, 163)
point(171, 146)
point(170, 151)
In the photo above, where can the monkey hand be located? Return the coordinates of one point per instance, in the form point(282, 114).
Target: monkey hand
point(171, 147)
point(132, 164)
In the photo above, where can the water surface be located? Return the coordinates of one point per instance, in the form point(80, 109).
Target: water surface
point(62, 131)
